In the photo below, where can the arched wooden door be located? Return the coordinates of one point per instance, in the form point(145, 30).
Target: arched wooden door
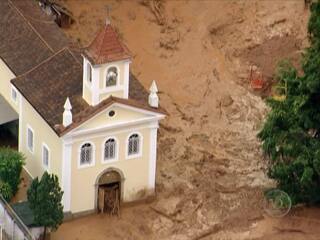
point(109, 191)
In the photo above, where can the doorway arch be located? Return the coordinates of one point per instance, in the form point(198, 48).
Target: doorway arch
point(109, 176)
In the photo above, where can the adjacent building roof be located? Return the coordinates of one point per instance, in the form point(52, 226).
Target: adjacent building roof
point(27, 35)
point(106, 47)
point(47, 86)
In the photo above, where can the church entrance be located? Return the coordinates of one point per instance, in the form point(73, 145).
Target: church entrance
point(109, 191)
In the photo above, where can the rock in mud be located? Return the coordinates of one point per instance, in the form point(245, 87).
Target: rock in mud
point(167, 207)
point(226, 101)
point(215, 27)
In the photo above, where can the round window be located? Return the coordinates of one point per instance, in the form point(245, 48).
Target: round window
point(111, 113)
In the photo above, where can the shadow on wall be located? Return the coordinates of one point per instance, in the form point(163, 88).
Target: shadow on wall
point(9, 134)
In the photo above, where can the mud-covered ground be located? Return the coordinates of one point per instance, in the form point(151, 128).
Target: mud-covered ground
point(210, 169)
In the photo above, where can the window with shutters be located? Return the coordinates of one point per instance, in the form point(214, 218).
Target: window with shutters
point(89, 73)
point(110, 148)
point(45, 156)
point(86, 154)
point(30, 139)
point(134, 145)
point(14, 94)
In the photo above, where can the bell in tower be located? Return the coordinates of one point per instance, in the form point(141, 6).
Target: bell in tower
point(105, 67)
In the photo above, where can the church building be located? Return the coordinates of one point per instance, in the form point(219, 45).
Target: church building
point(82, 115)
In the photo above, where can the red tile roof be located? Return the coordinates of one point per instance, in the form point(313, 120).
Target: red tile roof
point(106, 47)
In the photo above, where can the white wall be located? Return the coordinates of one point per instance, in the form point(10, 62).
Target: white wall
point(7, 113)
point(8, 108)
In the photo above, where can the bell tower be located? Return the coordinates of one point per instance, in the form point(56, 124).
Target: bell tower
point(106, 64)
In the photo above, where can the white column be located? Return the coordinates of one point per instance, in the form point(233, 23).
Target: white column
point(66, 174)
point(20, 143)
point(153, 157)
point(84, 75)
point(126, 81)
point(95, 85)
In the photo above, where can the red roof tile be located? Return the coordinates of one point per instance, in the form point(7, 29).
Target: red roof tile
point(106, 47)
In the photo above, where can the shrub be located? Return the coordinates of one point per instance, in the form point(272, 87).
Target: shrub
point(11, 163)
point(6, 191)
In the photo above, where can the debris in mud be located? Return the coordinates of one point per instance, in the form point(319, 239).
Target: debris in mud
point(170, 41)
point(215, 27)
point(216, 74)
point(277, 21)
point(224, 189)
point(157, 8)
point(206, 233)
point(62, 16)
point(282, 230)
point(170, 128)
point(226, 101)
point(267, 55)
point(167, 142)
point(200, 140)
point(184, 116)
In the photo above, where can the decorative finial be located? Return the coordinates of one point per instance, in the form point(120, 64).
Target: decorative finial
point(153, 88)
point(67, 104)
point(67, 114)
point(153, 97)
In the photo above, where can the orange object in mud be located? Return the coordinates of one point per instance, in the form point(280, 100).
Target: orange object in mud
point(256, 79)
point(257, 83)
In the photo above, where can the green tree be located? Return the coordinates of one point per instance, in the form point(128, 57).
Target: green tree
point(11, 163)
point(291, 133)
point(44, 198)
point(5, 191)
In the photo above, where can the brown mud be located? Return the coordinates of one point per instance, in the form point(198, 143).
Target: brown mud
point(211, 171)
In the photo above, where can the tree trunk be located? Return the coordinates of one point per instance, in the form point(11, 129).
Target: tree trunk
point(44, 233)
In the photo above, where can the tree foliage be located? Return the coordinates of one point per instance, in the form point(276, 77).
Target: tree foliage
point(11, 163)
point(6, 191)
point(291, 133)
point(45, 197)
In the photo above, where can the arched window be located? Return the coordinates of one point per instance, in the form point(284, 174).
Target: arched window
point(86, 154)
point(89, 73)
point(110, 149)
point(133, 144)
point(112, 77)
